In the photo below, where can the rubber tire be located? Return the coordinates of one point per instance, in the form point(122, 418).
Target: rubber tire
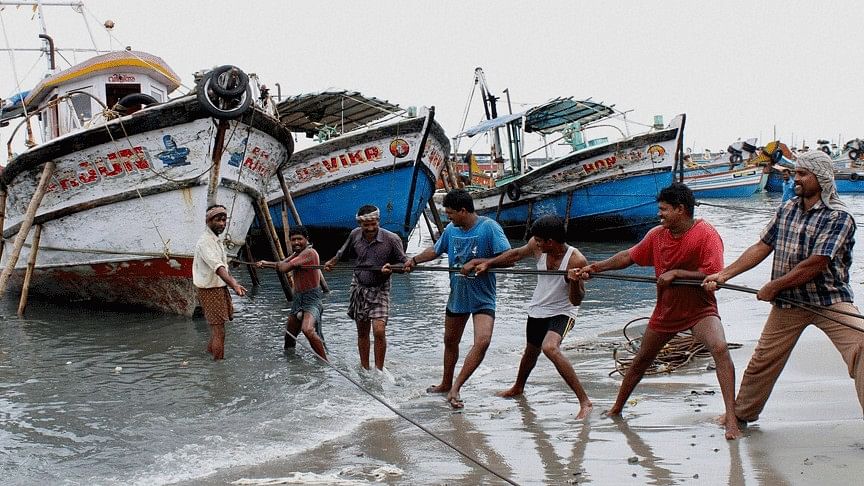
point(242, 82)
point(735, 159)
point(826, 150)
point(133, 99)
point(853, 154)
point(221, 113)
point(854, 176)
point(514, 193)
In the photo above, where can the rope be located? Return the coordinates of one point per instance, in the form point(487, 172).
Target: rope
point(397, 412)
point(814, 308)
point(679, 351)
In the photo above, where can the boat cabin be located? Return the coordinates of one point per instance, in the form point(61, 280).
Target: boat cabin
point(66, 101)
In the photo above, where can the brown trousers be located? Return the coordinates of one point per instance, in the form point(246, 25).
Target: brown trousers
point(781, 333)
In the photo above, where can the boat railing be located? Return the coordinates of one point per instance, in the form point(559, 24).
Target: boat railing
point(50, 110)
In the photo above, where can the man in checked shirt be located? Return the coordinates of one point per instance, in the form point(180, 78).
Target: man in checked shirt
point(812, 238)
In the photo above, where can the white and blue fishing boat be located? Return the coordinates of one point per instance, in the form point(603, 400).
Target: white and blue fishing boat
point(107, 199)
point(729, 184)
point(370, 152)
point(603, 190)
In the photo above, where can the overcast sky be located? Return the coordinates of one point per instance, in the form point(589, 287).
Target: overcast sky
point(737, 69)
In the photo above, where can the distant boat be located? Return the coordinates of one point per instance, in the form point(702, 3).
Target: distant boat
point(119, 193)
point(371, 152)
point(729, 184)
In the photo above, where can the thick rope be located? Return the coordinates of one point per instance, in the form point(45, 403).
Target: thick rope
point(397, 412)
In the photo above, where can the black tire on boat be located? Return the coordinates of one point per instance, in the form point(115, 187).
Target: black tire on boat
point(777, 156)
point(854, 176)
point(853, 154)
point(514, 192)
point(238, 106)
point(735, 159)
point(133, 99)
point(226, 90)
point(825, 149)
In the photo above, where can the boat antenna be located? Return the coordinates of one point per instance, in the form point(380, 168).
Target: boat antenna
point(491, 112)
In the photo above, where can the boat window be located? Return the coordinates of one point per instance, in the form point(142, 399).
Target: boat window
point(157, 94)
point(116, 92)
point(82, 105)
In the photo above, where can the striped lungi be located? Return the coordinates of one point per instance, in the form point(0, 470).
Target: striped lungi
point(216, 304)
point(369, 303)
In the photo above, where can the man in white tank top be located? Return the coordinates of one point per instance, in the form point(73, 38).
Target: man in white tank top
point(554, 304)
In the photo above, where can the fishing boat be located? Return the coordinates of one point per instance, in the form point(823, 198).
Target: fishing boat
point(370, 152)
point(115, 180)
point(728, 184)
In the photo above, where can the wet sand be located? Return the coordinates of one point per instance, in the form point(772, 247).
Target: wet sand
point(811, 431)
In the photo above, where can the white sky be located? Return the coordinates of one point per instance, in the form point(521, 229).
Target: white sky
point(738, 69)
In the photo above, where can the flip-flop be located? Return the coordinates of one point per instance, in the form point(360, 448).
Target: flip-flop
point(456, 403)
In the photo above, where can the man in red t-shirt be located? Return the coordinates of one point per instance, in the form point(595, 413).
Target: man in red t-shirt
point(680, 248)
point(307, 306)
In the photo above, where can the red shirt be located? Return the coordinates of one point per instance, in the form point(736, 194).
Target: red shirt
point(699, 249)
point(306, 279)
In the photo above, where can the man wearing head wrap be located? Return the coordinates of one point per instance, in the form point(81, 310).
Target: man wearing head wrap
point(812, 237)
point(211, 277)
point(375, 249)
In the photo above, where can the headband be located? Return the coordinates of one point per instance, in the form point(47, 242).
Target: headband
point(213, 212)
point(374, 215)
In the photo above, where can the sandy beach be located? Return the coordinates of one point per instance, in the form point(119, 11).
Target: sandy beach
point(811, 431)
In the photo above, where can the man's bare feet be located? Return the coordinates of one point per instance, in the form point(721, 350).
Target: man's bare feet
point(510, 392)
point(612, 413)
point(455, 402)
point(733, 425)
point(585, 410)
point(438, 389)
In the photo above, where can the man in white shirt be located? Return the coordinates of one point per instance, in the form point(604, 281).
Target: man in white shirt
point(210, 275)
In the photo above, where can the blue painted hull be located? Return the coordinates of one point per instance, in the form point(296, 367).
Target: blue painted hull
point(849, 182)
point(329, 212)
point(775, 182)
point(616, 209)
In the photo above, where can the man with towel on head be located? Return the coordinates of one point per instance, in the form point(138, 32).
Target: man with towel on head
point(211, 277)
point(812, 237)
point(307, 304)
point(375, 249)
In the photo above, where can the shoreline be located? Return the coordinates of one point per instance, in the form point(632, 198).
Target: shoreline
point(810, 432)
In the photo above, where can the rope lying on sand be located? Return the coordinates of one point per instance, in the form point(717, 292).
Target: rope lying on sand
point(679, 351)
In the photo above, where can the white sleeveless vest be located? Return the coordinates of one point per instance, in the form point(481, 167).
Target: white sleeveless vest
point(550, 296)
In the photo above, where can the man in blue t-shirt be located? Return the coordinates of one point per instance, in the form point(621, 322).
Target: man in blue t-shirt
point(468, 240)
point(788, 186)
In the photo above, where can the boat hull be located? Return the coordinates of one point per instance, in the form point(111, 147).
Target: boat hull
point(731, 184)
point(120, 220)
point(393, 167)
point(849, 181)
point(604, 192)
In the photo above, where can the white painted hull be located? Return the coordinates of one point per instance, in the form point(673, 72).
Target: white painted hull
point(121, 219)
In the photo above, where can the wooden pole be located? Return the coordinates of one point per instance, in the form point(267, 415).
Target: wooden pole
point(26, 223)
point(218, 149)
point(31, 265)
point(429, 225)
point(267, 224)
point(436, 216)
point(2, 219)
point(253, 272)
point(288, 199)
point(286, 228)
